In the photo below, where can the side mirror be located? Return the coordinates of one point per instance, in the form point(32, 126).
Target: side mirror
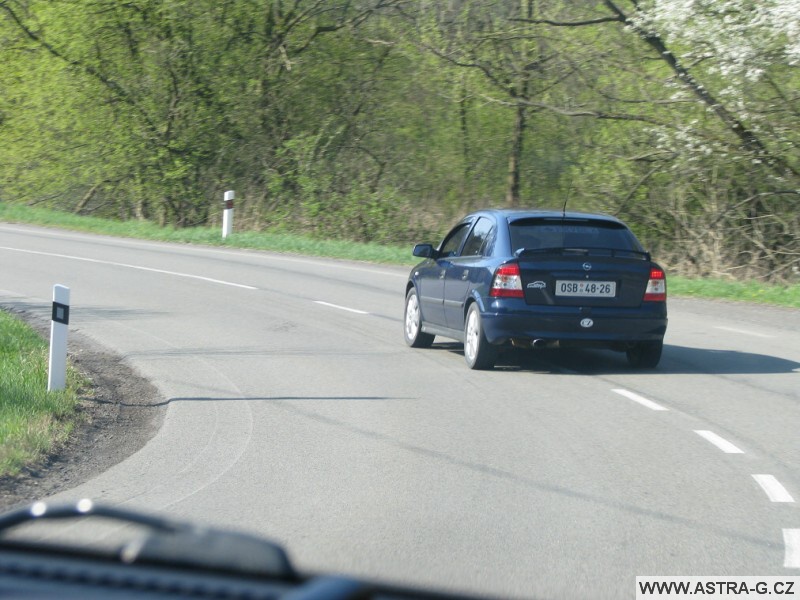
point(424, 251)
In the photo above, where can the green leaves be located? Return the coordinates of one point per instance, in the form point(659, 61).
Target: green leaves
point(382, 119)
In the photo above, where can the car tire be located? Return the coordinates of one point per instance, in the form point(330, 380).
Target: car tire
point(645, 355)
point(478, 352)
point(412, 323)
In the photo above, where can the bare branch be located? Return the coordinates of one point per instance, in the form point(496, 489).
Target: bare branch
point(598, 21)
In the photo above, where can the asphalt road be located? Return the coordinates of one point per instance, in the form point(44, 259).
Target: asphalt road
point(297, 412)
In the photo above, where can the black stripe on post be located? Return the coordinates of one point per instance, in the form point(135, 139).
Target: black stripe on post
point(61, 313)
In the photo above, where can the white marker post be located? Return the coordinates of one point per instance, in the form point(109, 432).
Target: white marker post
point(57, 376)
point(227, 214)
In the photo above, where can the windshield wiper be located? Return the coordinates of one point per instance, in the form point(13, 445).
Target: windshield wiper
point(174, 558)
point(170, 542)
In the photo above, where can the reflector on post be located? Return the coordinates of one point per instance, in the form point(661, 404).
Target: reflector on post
point(57, 373)
point(227, 214)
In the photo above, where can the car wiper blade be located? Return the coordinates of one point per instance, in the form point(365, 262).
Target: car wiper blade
point(40, 511)
point(521, 252)
point(168, 542)
point(175, 558)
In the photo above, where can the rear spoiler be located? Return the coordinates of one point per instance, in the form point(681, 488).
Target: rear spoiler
point(613, 252)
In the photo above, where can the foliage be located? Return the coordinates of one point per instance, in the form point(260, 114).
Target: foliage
point(382, 120)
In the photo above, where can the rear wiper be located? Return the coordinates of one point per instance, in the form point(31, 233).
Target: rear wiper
point(580, 251)
point(171, 543)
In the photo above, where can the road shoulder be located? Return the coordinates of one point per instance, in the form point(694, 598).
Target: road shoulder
point(120, 413)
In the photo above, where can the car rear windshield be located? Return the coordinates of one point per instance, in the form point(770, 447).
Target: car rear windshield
point(538, 233)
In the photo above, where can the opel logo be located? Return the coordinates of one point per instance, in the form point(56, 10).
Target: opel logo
point(586, 323)
point(587, 266)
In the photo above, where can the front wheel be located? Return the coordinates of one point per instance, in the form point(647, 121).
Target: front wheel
point(645, 355)
point(412, 323)
point(478, 352)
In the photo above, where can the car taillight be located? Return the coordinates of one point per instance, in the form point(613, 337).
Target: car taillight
point(507, 282)
point(656, 287)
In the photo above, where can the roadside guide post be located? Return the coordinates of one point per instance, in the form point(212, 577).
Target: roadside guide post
point(57, 374)
point(227, 214)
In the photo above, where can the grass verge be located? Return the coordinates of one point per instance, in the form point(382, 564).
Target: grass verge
point(271, 241)
point(33, 421)
point(743, 291)
point(757, 292)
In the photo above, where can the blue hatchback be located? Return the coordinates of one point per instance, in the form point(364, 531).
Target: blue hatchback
point(531, 279)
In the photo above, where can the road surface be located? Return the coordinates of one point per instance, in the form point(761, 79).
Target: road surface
point(295, 411)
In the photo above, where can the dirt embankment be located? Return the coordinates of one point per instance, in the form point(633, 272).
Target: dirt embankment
point(116, 418)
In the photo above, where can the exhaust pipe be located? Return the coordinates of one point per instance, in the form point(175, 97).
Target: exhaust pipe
point(537, 343)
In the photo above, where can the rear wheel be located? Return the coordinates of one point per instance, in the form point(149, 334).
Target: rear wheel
point(645, 355)
point(412, 323)
point(478, 352)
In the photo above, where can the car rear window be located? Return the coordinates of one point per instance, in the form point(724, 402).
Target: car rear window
point(534, 234)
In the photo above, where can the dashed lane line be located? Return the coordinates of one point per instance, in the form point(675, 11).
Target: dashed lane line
point(719, 442)
point(345, 308)
point(773, 488)
point(791, 540)
point(768, 483)
point(639, 399)
point(135, 267)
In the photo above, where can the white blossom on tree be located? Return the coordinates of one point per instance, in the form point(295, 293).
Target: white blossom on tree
point(743, 38)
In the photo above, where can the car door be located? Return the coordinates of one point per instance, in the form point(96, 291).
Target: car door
point(430, 277)
point(464, 271)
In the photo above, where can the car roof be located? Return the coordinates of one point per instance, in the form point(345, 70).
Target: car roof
point(515, 214)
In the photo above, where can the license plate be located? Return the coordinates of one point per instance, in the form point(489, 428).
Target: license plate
point(587, 289)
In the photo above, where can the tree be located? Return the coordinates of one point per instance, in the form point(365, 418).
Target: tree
point(511, 65)
point(737, 61)
point(381, 119)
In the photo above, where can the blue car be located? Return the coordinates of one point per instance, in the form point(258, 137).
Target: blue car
point(534, 279)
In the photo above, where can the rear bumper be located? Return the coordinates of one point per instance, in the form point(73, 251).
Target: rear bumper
point(506, 320)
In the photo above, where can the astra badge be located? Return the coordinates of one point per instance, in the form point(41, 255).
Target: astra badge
point(537, 285)
point(586, 323)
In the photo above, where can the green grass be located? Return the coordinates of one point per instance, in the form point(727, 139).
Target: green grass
point(786, 295)
point(33, 421)
point(271, 241)
point(743, 291)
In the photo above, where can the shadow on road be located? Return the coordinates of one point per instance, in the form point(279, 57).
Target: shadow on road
point(38, 312)
point(277, 399)
point(675, 359)
point(642, 509)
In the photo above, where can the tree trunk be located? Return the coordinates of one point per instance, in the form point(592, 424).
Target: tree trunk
point(515, 156)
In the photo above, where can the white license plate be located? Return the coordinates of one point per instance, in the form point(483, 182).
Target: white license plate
point(586, 289)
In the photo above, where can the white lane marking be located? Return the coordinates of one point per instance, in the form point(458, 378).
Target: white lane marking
point(791, 539)
point(773, 488)
point(640, 399)
point(745, 332)
point(719, 442)
point(352, 310)
point(276, 255)
point(128, 266)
